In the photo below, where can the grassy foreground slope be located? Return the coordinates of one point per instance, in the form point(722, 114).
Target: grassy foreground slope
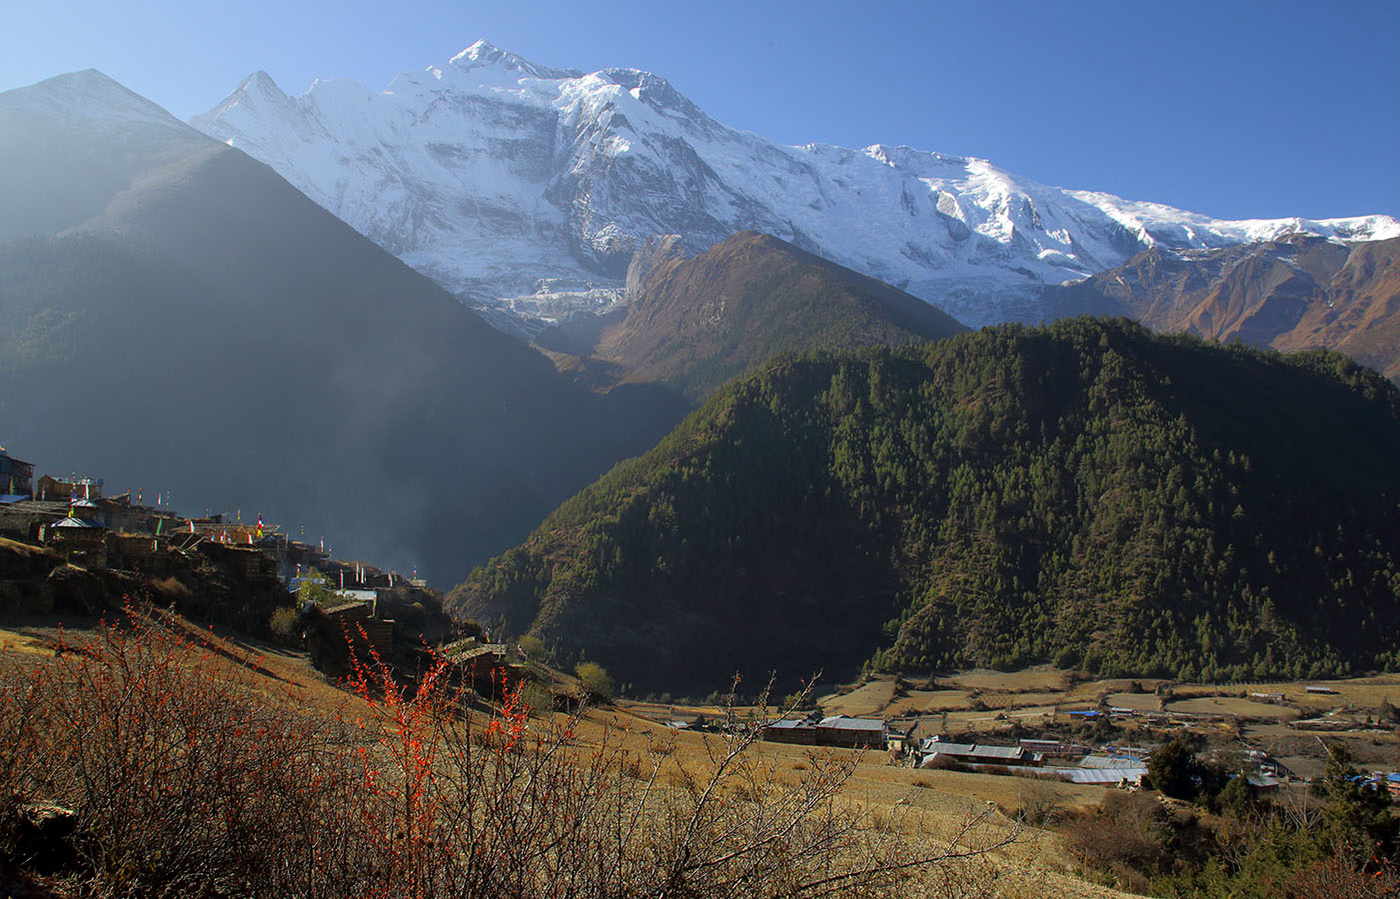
point(1085, 493)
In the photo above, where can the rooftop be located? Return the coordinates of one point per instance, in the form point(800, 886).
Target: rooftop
point(844, 723)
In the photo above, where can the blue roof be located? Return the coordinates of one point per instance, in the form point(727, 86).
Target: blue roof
point(7, 498)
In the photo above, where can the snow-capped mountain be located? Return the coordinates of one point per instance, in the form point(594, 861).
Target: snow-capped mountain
point(513, 183)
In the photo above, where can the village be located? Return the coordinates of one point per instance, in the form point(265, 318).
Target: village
point(1045, 724)
point(263, 583)
point(1051, 730)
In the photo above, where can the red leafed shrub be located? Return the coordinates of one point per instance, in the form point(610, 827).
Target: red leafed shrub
point(190, 775)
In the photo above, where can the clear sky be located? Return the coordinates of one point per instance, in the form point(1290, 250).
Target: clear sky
point(1233, 108)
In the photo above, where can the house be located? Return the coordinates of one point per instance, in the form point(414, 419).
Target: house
point(1109, 777)
point(852, 733)
point(482, 666)
point(901, 741)
point(834, 730)
point(16, 477)
point(935, 748)
point(339, 635)
point(803, 733)
point(1048, 748)
point(50, 488)
point(78, 534)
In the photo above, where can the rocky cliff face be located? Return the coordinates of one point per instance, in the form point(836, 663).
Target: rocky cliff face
point(528, 188)
point(693, 323)
point(1290, 294)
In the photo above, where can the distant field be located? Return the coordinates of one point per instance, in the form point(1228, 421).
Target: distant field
point(14, 641)
point(919, 701)
point(1037, 678)
point(1142, 702)
point(876, 694)
point(1225, 705)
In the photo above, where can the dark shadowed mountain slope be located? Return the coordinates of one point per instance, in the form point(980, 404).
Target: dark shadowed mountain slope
point(1289, 294)
point(1081, 493)
point(694, 323)
point(209, 331)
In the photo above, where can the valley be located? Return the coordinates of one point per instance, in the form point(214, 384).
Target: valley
point(585, 498)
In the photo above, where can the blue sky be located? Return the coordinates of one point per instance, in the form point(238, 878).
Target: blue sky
point(1231, 108)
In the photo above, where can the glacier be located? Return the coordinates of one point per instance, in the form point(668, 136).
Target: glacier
point(524, 190)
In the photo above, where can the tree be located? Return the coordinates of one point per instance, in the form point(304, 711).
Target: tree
point(313, 588)
point(533, 647)
point(595, 679)
point(1355, 811)
point(1175, 770)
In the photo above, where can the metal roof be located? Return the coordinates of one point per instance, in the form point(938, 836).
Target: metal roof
point(975, 750)
point(1117, 762)
point(1000, 752)
point(75, 523)
point(1099, 775)
point(844, 723)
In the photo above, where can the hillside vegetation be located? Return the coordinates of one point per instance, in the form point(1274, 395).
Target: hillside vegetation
point(1084, 493)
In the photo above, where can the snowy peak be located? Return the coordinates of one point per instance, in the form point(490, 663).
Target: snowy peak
point(654, 91)
point(257, 89)
point(524, 186)
point(88, 96)
point(483, 53)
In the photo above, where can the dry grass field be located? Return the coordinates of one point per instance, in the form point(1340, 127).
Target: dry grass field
point(1232, 707)
point(1040, 677)
point(928, 806)
point(1142, 702)
point(931, 805)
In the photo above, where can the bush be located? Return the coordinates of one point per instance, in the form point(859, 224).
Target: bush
point(189, 775)
point(283, 622)
point(595, 680)
point(1125, 835)
point(533, 648)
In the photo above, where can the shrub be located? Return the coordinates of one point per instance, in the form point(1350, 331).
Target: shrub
point(190, 775)
point(533, 648)
point(1125, 835)
point(283, 622)
point(595, 680)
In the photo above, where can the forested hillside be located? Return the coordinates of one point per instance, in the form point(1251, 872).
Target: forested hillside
point(1083, 493)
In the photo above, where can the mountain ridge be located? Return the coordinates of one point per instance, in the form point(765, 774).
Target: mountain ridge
point(694, 322)
point(209, 330)
point(557, 177)
point(1294, 293)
